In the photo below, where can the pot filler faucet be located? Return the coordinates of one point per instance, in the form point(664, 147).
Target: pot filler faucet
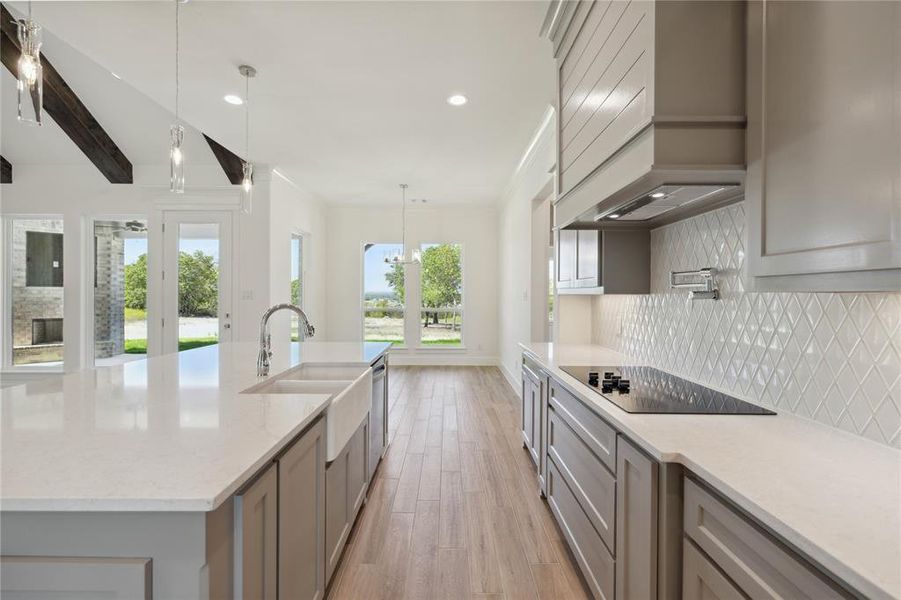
point(265, 339)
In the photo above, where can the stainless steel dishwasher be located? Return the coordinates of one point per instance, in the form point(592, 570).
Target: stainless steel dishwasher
point(378, 414)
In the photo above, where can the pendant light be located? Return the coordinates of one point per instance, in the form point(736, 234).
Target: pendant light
point(247, 182)
point(415, 255)
point(30, 73)
point(176, 131)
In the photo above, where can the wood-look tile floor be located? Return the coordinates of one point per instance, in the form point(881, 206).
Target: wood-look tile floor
point(454, 510)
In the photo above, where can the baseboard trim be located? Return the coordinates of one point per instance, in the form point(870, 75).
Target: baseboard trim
point(439, 360)
point(514, 382)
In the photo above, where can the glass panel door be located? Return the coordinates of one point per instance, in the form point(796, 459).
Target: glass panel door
point(196, 279)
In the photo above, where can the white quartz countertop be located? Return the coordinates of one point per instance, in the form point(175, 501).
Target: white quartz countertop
point(834, 496)
point(169, 433)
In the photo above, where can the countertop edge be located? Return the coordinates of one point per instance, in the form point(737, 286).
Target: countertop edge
point(816, 554)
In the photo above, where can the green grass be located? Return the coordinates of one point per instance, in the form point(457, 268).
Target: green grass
point(140, 346)
point(450, 342)
point(135, 314)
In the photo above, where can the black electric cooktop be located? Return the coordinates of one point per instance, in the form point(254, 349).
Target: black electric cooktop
point(649, 390)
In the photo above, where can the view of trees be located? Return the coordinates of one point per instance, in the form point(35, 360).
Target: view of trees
point(198, 284)
point(441, 277)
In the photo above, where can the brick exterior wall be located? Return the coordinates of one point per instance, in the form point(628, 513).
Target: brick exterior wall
point(29, 303)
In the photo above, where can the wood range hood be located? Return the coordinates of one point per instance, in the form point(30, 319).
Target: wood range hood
point(651, 110)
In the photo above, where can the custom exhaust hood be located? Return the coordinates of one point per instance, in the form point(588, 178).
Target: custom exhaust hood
point(661, 200)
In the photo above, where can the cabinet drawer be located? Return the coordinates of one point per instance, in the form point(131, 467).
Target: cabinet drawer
point(590, 482)
point(756, 562)
point(594, 560)
point(594, 431)
point(702, 580)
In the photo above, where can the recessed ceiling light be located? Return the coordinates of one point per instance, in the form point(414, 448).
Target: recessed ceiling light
point(658, 195)
point(457, 100)
point(115, 75)
point(232, 99)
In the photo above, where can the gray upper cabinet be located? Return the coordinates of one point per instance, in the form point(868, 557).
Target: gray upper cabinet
point(612, 261)
point(824, 145)
point(649, 94)
point(301, 523)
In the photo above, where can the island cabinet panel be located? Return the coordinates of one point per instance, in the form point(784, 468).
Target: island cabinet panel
point(301, 524)
point(760, 566)
point(31, 577)
point(702, 580)
point(593, 557)
point(256, 538)
point(345, 490)
point(824, 185)
point(636, 523)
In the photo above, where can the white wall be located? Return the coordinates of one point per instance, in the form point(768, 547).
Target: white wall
point(515, 242)
point(295, 211)
point(349, 227)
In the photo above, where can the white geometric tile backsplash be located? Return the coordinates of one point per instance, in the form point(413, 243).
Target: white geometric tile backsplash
point(832, 357)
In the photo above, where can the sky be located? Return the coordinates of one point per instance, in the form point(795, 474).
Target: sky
point(375, 267)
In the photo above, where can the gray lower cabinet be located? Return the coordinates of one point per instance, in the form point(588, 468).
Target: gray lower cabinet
point(345, 489)
point(256, 538)
point(531, 420)
point(301, 523)
point(593, 557)
point(702, 580)
point(757, 564)
point(636, 523)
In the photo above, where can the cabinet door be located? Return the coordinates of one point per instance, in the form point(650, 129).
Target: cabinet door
point(824, 182)
point(337, 511)
point(701, 580)
point(636, 523)
point(588, 262)
point(527, 407)
point(566, 258)
point(301, 524)
point(357, 475)
point(256, 550)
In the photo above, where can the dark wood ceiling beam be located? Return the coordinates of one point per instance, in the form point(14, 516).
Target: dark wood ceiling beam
point(69, 112)
point(6, 171)
point(231, 163)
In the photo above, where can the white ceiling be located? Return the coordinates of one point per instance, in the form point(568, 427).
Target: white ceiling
point(350, 96)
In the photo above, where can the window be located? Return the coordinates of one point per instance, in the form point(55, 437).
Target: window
point(120, 290)
point(441, 294)
point(383, 294)
point(36, 292)
point(296, 281)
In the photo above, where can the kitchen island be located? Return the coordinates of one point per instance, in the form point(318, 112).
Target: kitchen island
point(135, 468)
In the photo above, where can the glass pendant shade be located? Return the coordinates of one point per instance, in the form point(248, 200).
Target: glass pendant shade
point(31, 77)
point(176, 159)
point(414, 256)
point(247, 189)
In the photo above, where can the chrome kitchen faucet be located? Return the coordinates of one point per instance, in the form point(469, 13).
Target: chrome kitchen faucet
point(265, 338)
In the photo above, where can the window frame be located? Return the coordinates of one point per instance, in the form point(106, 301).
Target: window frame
point(6, 298)
point(403, 345)
point(440, 347)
